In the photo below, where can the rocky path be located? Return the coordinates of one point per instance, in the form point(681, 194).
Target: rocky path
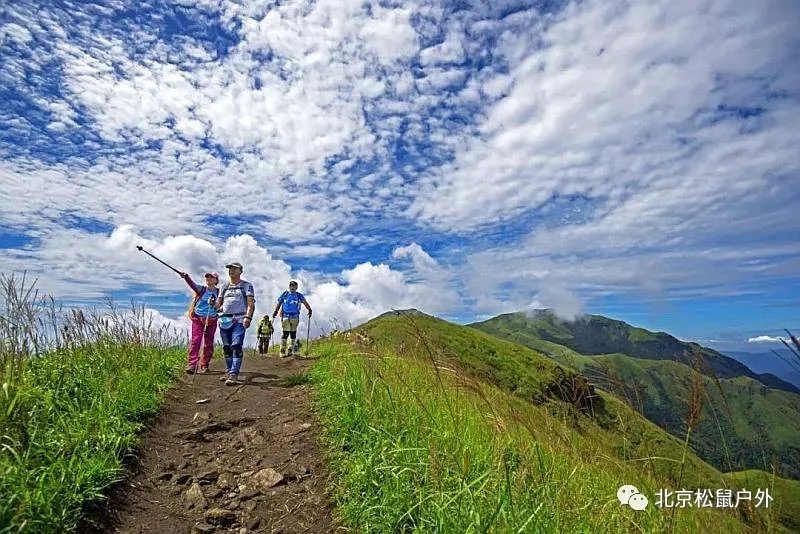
point(223, 458)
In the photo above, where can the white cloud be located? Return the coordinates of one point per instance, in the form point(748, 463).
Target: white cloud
point(764, 339)
point(83, 266)
point(16, 33)
point(315, 133)
point(562, 301)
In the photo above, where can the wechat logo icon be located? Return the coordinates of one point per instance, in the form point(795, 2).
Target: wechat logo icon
point(629, 495)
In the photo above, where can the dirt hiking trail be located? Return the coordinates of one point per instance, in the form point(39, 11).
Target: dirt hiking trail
point(221, 458)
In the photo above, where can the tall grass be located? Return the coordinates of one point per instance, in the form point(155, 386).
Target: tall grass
point(75, 389)
point(418, 446)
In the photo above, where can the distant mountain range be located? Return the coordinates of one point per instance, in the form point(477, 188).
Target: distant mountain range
point(769, 362)
point(598, 335)
point(748, 417)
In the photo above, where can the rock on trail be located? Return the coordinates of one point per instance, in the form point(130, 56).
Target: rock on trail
point(220, 458)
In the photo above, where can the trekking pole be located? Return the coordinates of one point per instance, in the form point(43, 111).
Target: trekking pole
point(308, 333)
point(269, 339)
point(140, 249)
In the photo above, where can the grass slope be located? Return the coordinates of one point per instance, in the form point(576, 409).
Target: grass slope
point(431, 428)
point(529, 374)
point(746, 424)
point(786, 494)
point(73, 398)
point(418, 447)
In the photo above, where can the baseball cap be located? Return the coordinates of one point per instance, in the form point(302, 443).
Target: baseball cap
point(214, 275)
point(235, 264)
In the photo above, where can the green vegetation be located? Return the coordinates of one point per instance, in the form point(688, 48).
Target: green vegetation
point(75, 391)
point(786, 495)
point(530, 375)
point(756, 423)
point(418, 444)
point(744, 424)
point(595, 334)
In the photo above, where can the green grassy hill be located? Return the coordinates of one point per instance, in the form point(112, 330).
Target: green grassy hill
point(433, 426)
point(595, 334)
point(744, 425)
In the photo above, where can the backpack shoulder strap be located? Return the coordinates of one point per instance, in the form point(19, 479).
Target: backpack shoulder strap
point(223, 289)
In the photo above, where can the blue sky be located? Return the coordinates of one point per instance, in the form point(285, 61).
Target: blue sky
point(637, 160)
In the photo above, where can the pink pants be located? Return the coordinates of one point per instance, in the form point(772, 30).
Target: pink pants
point(207, 340)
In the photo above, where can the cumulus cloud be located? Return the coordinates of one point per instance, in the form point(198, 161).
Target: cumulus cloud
point(418, 155)
point(764, 339)
point(90, 268)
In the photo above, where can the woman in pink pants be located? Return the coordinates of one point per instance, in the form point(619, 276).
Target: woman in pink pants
point(203, 314)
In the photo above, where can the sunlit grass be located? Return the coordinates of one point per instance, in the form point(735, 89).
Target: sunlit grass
point(75, 390)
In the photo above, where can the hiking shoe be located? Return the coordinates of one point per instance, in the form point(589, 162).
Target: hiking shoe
point(190, 370)
point(224, 377)
point(232, 380)
point(203, 370)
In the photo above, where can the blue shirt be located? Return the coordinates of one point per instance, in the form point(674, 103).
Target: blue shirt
point(202, 308)
point(290, 303)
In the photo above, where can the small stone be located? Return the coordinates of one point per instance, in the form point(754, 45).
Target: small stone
point(225, 481)
point(231, 495)
point(188, 455)
point(165, 476)
point(220, 516)
point(194, 497)
point(267, 478)
point(250, 493)
point(204, 527)
point(249, 506)
point(183, 479)
point(208, 477)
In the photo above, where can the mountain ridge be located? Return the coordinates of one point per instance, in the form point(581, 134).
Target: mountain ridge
point(527, 373)
point(756, 421)
point(600, 335)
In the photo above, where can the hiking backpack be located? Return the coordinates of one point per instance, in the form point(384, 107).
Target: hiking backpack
point(290, 302)
point(195, 300)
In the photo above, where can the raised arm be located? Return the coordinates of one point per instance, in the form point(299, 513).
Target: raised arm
point(190, 282)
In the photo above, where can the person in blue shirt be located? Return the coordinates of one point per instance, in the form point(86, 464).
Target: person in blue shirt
point(289, 306)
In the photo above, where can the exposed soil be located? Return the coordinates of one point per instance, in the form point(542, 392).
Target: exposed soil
point(220, 458)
